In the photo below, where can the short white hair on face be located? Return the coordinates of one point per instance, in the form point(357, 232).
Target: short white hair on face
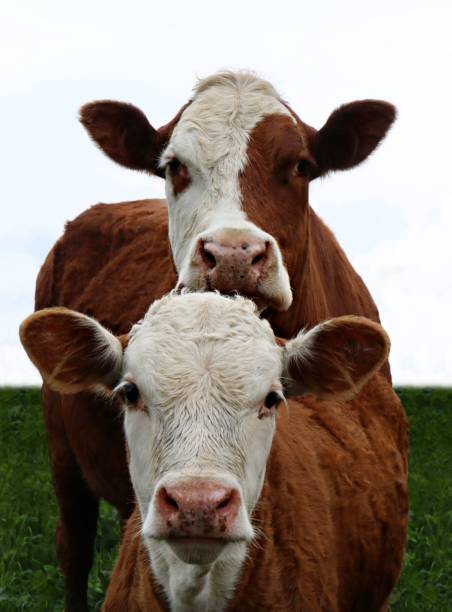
point(240, 100)
point(202, 343)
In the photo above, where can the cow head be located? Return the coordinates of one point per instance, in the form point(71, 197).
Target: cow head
point(200, 380)
point(237, 163)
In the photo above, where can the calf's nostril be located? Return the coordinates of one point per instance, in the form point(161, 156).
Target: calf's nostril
point(168, 500)
point(225, 502)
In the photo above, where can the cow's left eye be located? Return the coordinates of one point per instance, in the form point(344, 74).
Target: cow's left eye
point(303, 167)
point(273, 399)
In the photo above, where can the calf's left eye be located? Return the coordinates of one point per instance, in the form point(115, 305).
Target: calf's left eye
point(272, 400)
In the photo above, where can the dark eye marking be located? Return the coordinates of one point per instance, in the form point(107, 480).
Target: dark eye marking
point(174, 165)
point(179, 175)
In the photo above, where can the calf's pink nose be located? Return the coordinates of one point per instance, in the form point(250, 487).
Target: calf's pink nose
point(197, 508)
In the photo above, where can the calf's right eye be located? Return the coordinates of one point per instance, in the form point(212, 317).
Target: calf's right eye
point(130, 393)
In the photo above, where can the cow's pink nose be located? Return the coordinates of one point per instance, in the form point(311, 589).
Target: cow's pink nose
point(235, 264)
point(197, 508)
point(242, 253)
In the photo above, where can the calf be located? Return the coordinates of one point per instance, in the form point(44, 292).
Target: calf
point(243, 504)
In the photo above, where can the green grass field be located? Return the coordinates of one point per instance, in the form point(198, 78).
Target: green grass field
point(29, 577)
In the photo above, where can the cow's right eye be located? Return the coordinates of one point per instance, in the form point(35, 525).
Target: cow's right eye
point(130, 393)
point(174, 165)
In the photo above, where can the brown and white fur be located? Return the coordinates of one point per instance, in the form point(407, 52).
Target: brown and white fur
point(239, 220)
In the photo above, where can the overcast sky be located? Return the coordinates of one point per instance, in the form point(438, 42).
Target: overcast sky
point(392, 215)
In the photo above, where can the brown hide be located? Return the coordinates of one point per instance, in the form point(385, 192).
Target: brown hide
point(275, 198)
point(333, 511)
point(111, 263)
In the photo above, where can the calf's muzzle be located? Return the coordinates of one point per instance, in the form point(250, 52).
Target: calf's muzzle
point(198, 508)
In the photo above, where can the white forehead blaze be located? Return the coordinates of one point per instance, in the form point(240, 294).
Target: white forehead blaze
point(215, 128)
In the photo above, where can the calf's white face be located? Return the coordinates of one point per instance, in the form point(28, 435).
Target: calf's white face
point(200, 381)
point(202, 368)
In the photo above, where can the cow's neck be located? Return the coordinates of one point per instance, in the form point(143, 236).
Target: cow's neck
point(324, 282)
point(196, 587)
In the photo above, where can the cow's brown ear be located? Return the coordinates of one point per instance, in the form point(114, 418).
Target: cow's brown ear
point(72, 351)
point(335, 359)
point(123, 132)
point(351, 133)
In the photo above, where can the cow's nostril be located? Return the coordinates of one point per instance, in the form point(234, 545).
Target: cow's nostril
point(262, 255)
point(208, 257)
point(257, 259)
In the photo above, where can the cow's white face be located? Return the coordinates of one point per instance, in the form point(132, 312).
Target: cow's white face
point(197, 431)
point(238, 163)
point(213, 243)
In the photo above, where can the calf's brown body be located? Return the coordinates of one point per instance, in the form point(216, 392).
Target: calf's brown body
point(332, 514)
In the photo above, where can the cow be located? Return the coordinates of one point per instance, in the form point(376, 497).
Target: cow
point(241, 504)
point(237, 163)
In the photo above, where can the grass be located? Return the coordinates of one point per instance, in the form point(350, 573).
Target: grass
point(29, 575)
point(426, 581)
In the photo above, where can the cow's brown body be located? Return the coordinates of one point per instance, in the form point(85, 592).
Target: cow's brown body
point(339, 543)
point(332, 514)
point(114, 260)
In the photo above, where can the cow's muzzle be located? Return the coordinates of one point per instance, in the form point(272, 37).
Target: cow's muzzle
point(239, 261)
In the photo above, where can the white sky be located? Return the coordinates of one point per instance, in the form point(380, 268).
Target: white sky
point(392, 215)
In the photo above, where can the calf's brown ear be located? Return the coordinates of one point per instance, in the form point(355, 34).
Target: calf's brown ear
point(123, 132)
point(351, 133)
point(73, 352)
point(335, 359)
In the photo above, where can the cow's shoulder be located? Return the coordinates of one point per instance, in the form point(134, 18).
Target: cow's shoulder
point(111, 261)
point(114, 223)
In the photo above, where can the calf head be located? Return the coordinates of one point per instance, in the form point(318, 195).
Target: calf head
point(237, 163)
point(200, 379)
